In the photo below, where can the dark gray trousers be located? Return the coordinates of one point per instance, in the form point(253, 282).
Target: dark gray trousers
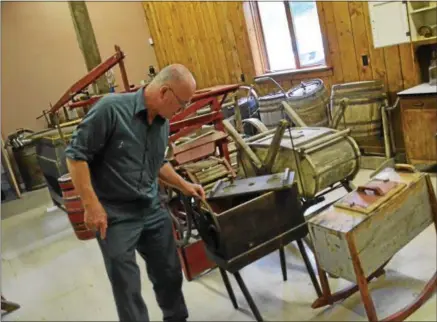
point(151, 235)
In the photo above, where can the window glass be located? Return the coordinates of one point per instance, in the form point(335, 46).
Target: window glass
point(307, 32)
point(276, 35)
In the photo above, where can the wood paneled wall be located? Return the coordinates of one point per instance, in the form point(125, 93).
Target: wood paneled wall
point(212, 39)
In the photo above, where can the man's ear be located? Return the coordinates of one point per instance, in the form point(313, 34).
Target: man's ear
point(162, 90)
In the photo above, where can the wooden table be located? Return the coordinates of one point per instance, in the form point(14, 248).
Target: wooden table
point(419, 123)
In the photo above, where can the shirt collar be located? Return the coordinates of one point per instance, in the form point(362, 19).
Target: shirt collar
point(141, 107)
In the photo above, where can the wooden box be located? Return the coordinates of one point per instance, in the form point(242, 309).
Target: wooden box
point(380, 218)
point(356, 236)
point(249, 213)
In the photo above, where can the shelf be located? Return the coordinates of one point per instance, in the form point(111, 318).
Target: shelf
point(424, 9)
point(424, 41)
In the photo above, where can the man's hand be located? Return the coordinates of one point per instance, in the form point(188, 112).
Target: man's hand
point(193, 190)
point(96, 218)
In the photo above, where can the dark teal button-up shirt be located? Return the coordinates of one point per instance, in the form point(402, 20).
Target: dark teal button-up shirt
point(124, 151)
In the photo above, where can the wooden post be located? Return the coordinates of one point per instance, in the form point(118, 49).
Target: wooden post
point(87, 42)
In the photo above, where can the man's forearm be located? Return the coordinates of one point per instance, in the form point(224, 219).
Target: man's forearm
point(170, 177)
point(80, 176)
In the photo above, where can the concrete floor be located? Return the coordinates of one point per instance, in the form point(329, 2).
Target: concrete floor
point(55, 277)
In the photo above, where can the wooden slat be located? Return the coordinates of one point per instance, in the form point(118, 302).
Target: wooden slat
point(360, 39)
point(191, 36)
point(409, 67)
point(216, 43)
point(345, 41)
point(229, 41)
point(236, 16)
point(331, 35)
point(200, 44)
point(206, 44)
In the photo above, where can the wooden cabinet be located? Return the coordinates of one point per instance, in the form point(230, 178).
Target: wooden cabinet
point(399, 22)
point(419, 123)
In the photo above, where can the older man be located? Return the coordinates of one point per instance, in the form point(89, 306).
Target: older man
point(115, 158)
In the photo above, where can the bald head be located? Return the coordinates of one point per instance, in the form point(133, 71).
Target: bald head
point(170, 90)
point(175, 74)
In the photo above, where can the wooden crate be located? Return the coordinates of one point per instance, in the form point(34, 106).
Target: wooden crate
point(356, 236)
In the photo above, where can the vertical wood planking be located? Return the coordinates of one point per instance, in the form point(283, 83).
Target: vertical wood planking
point(345, 41)
point(229, 42)
point(360, 39)
point(236, 16)
point(207, 45)
point(331, 34)
point(199, 47)
point(216, 42)
point(191, 35)
point(409, 66)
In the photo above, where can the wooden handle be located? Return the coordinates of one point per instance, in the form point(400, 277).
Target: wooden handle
point(377, 190)
point(405, 167)
point(418, 104)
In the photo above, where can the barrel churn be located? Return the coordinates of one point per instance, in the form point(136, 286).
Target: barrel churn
point(24, 150)
point(363, 113)
point(74, 207)
point(270, 109)
point(311, 102)
point(50, 149)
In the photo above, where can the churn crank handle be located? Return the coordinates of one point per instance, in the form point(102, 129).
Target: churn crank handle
point(243, 145)
point(388, 110)
point(292, 114)
point(405, 167)
point(274, 146)
point(339, 114)
point(377, 190)
point(261, 79)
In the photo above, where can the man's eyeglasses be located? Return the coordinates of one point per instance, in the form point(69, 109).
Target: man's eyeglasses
point(182, 103)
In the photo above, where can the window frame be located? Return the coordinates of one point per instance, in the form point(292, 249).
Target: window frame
point(259, 31)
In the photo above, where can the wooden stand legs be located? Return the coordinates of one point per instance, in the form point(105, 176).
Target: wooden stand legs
point(245, 291)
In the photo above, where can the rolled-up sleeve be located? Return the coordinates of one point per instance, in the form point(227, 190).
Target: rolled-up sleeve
point(166, 139)
point(93, 132)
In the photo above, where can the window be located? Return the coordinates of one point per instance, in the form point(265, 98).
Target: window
point(290, 35)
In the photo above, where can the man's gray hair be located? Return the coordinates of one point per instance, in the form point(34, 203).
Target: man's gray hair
point(172, 74)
